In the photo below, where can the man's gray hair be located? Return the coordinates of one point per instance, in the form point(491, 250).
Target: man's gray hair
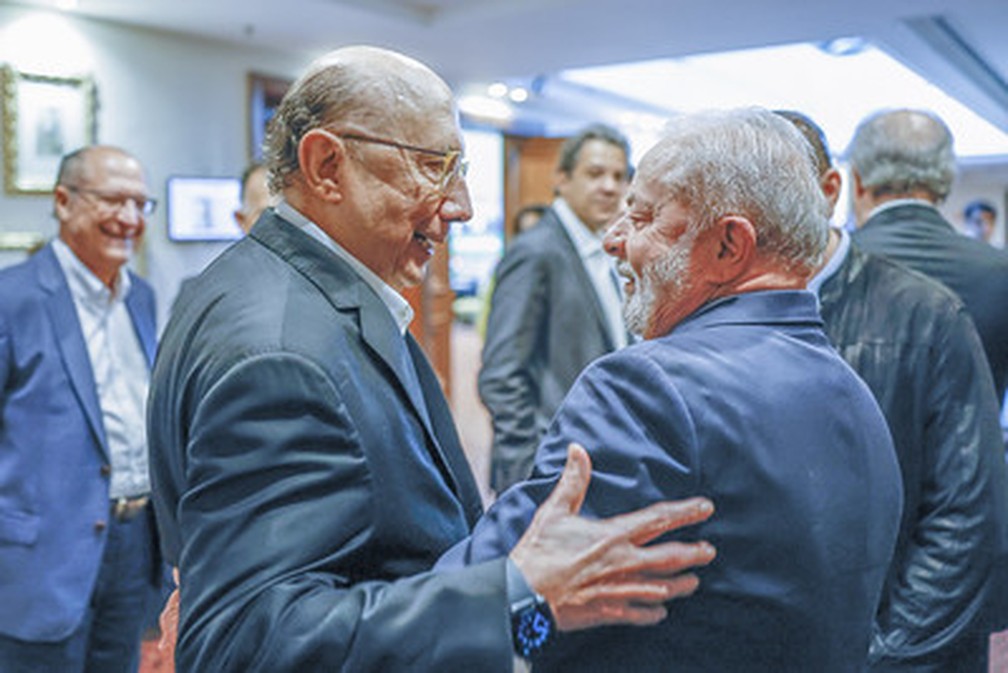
point(752, 163)
point(897, 152)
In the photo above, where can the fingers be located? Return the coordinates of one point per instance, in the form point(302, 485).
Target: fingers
point(168, 621)
point(569, 493)
point(646, 524)
point(652, 592)
point(669, 558)
point(640, 603)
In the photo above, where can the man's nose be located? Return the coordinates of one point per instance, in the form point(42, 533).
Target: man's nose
point(456, 205)
point(613, 240)
point(129, 212)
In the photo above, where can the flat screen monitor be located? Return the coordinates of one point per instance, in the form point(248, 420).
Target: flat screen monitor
point(202, 208)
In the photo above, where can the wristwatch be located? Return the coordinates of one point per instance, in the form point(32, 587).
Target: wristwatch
point(531, 625)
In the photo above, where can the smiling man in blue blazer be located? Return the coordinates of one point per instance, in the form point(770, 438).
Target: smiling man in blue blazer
point(77, 338)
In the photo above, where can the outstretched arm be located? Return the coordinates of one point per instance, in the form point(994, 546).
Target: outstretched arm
point(594, 572)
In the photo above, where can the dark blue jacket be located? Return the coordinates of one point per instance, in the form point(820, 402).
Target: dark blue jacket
point(744, 402)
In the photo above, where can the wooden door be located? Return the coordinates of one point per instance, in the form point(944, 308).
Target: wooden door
point(432, 322)
point(529, 175)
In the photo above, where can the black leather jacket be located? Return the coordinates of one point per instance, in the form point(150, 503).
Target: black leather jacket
point(913, 343)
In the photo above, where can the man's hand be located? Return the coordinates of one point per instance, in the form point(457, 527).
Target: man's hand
point(598, 572)
point(168, 621)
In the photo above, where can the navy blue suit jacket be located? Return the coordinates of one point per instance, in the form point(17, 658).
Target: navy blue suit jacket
point(54, 498)
point(304, 483)
point(745, 402)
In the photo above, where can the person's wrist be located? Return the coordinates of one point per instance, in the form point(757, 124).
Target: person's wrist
point(532, 626)
point(532, 623)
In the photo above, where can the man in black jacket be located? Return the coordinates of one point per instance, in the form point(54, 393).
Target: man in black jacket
point(914, 344)
point(902, 167)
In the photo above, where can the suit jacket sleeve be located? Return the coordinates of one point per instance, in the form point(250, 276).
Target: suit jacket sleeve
point(941, 592)
point(275, 519)
point(510, 375)
point(642, 446)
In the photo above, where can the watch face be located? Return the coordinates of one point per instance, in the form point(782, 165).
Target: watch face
point(533, 630)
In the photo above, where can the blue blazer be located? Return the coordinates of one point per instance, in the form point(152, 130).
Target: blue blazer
point(54, 479)
point(745, 402)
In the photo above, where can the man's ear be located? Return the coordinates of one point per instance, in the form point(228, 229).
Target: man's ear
point(732, 245)
point(859, 188)
point(831, 182)
point(61, 199)
point(322, 158)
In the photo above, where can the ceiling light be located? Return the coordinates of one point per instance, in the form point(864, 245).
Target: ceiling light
point(518, 94)
point(486, 109)
point(497, 89)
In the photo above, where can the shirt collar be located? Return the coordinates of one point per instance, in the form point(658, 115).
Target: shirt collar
point(586, 241)
point(896, 203)
point(84, 285)
point(402, 312)
point(834, 262)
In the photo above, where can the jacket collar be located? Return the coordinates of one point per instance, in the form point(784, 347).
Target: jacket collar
point(766, 307)
point(914, 213)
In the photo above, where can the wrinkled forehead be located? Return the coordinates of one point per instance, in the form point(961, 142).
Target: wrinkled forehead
point(650, 178)
point(435, 127)
point(413, 106)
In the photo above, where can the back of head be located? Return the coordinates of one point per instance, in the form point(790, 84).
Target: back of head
point(900, 152)
point(814, 135)
point(748, 162)
point(367, 87)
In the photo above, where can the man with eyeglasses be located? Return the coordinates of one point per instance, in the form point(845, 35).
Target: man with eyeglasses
point(307, 472)
point(77, 338)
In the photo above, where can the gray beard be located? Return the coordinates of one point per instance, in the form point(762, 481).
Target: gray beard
point(667, 274)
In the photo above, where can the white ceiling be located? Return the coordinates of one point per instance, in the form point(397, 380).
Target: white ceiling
point(960, 45)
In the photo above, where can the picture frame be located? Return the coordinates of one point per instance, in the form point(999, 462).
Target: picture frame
point(264, 95)
point(21, 241)
point(44, 118)
point(201, 208)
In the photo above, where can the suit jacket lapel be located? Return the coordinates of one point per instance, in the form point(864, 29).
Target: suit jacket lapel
point(574, 261)
point(450, 453)
point(73, 350)
point(380, 333)
point(142, 316)
point(347, 291)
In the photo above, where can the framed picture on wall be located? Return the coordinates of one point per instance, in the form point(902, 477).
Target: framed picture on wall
point(264, 96)
point(202, 208)
point(44, 118)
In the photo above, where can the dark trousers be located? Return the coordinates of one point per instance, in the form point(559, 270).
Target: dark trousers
point(108, 638)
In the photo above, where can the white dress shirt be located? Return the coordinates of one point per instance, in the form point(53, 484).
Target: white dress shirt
point(601, 269)
point(400, 309)
point(120, 369)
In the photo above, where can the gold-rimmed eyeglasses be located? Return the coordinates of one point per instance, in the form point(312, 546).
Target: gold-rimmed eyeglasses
point(452, 163)
point(112, 202)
